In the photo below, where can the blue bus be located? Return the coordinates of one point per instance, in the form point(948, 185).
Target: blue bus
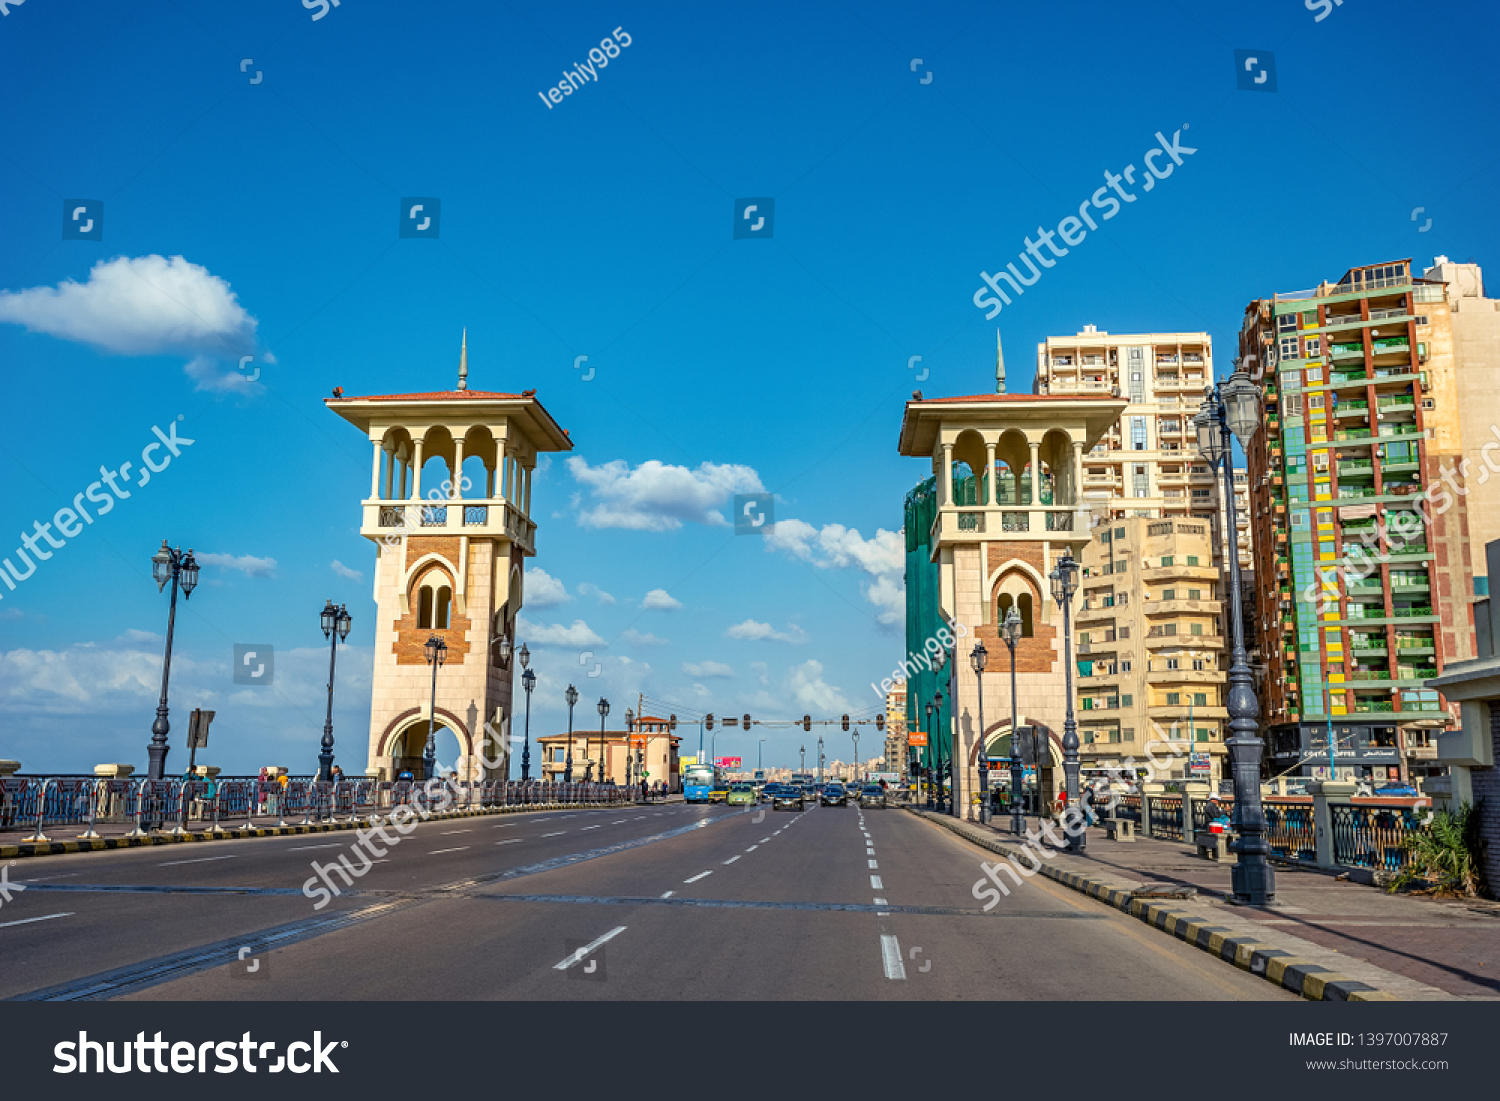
point(699, 780)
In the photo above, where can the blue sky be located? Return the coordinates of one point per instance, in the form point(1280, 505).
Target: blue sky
point(602, 226)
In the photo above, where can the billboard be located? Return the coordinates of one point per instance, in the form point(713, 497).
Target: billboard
point(1198, 764)
point(916, 737)
point(685, 761)
point(727, 762)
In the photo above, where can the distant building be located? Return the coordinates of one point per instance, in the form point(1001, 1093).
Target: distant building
point(651, 738)
point(895, 730)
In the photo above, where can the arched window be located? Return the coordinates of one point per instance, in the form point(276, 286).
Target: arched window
point(440, 611)
point(1002, 607)
point(424, 607)
point(1023, 605)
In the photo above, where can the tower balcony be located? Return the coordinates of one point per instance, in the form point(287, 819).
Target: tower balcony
point(961, 523)
point(492, 518)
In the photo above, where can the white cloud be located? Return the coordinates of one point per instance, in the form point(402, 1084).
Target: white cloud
point(707, 669)
point(147, 305)
point(761, 670)
point(635, 638)
point(655, 496)
point(247, 564)
point(662, 600)
point(345, 572)
point(543, 590)
point(131, 634)
point(881, 558)
point(754, 631)
point(814, 693)
point(588, 588)
point(579, 634)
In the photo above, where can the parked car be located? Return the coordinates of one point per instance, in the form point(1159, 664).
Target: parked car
point(1403, 790)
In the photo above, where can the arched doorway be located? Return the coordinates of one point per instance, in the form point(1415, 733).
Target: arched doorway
point(409, 746)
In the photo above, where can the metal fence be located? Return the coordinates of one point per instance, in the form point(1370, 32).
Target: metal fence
point(1373, 837)
point(1166, 816)
point(1290, 831)
point(213, 805)
point(1129, 807)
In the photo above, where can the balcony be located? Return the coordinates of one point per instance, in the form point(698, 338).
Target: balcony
point(1184, 642)
point(494, 517)
point(1170, 711)
point(1351, 408)
point(1396, 404)
point(1357, 468)
point(1181, 607)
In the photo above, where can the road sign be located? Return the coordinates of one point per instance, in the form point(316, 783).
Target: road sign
point(637, 742)
point(1198, 763)
point(198, 729)
point(916, 737)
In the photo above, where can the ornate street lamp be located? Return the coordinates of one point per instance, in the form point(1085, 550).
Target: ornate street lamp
point(944, 759)
point(929, 768)
point(571, 695)
point(437, 652)
point(820, 758)
point(978, 658)
point(336, 623)
point(1234, 407)
point(1064, 578)
point(603, 709)
point(1010, 631)
point(180, 569)
point(528, 682)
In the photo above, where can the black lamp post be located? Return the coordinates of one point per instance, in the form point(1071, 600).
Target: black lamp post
point(1064, 578)
point(979, 657)
point(629, 749)
point(178, 568)
point(528, 682)
point(929, 769)
point(820, 758)
point(1010, 631)
point(336, 622)
point(571, 695)
point(1233, 407)
point(437, 652)
point(603, 709)
point(942, 757)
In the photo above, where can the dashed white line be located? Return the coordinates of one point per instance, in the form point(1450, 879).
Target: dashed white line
point(870, 851)
point(559, 833)
point(199, 860)
point(439, 852)
point(621, 820)
point(450, 833)
point(732, 859)
point(875, 884)
point(510, 840)
point(881, 902)
point(890, 954)
point(752, 848)
point(305, 848)
point(28, 921)
point(668, 894)
point(765, 840)
point(503, 825)
point(699, 876)
point(583, 952)
point(874, 864)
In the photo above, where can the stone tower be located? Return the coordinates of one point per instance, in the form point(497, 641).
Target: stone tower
point(449, 559)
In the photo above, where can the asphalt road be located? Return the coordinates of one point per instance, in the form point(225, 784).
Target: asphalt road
point(665, 902)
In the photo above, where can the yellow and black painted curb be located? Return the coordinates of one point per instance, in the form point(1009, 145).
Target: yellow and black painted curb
point(1285, 969)
point(56, 848)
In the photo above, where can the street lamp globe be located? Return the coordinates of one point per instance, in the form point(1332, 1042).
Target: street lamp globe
point(505, 646)
point(603, 707)
point(329, 619)
point(525, 656)
point(1206, 425)
point(161, 566)
point(1012, 626)
point(939, 659)
point(571, 695)
point(528, 680)
point(189, 574)
point(345, 622)
point(436, 650)
point(1064, 578)
point(1242, 406)
point(979, 657)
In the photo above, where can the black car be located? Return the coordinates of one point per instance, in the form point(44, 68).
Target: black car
point(872, 795)
point(833, 795)
point(788, 798)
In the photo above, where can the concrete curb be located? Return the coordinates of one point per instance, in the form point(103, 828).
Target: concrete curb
point(57, 848)
point(1259, 957)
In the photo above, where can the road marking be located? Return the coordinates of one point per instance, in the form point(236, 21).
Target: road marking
point(449, 833)
point(875, 884)
point(881, 902)
point(439, 852)
point(874, 864)
point(731, 860)
point(638, 817)
point(304, 848)
point(583, 952)
point(559, 833)
point(40, 878)
point(699, 876)
point(595, 827)
point(752, 848)
point(890, 953)
point(199, 860)
point(510, 841)
point(28, 921)
point(870, 851)
point(503, 826)
point(621, 820)
point(763, 841)
point(669, 894)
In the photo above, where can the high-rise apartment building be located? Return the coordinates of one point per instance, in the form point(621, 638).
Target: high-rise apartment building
point(1151, 647)
point(1362, 554)
point(1148, 464)
point(895, 729)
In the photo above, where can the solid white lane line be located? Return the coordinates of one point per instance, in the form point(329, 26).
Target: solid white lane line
point(668, 894)
point(875, 884)
point(510, 840)
point(304, 848)
point(439, 852)
point(874, 864)
point(890, 954)
point(731, 860)
point(28, 921)
point(699, 876)
point(450, 833)
point(199, 860)
point(583, 952)
point(559, 833)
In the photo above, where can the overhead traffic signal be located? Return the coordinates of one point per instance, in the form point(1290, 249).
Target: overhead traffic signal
point(880, 721)
point(746, 721)
point(806, 722)
point(846, 722)
point(708, 723)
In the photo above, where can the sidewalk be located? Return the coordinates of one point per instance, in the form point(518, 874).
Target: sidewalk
point(1406, 945)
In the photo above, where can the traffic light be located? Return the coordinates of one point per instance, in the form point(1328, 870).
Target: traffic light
point(672, 723)
point(708, 723)
point(806, 722)
point(880, 721)
point(746, 721)
point(846, 722)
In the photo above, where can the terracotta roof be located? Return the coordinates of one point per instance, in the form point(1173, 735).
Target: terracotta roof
point(1018, 397)
point(436, 395)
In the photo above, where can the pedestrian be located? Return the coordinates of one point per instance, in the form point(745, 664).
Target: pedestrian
point(337, 774)
point(1086, 801)
point(1218, 817)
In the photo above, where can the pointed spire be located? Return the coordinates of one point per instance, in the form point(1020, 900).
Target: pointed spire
point(999, 365)
point(463, 362)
